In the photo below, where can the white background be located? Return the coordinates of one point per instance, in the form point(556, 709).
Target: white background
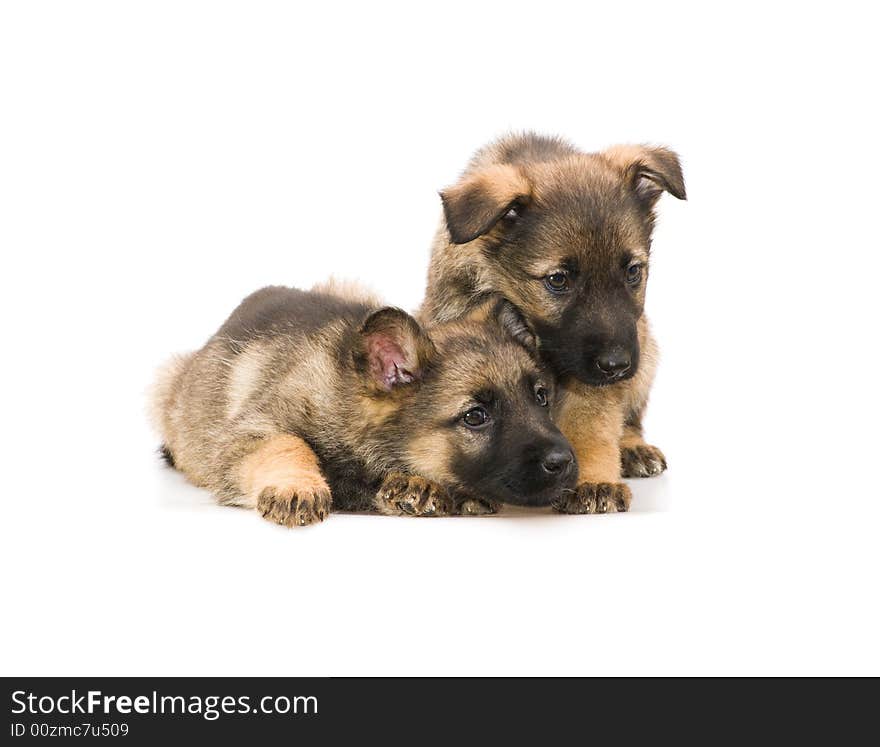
point(160, 160)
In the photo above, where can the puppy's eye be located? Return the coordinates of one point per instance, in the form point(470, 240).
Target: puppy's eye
point(513, 212)
point(557, 282)
point(541, 396)
point(634, 274)
point(475, 417)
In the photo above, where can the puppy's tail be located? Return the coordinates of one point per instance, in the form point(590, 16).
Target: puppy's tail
point(161, 401)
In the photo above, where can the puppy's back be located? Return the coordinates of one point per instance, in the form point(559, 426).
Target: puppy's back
point(278, 310)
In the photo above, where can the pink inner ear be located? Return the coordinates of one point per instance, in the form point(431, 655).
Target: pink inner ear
point(388, 363)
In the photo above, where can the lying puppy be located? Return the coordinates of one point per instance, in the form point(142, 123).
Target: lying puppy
point(566, 236)
point(307, 401)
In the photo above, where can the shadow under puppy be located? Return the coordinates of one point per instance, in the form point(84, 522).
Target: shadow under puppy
point(566, 236)
point(304, 401)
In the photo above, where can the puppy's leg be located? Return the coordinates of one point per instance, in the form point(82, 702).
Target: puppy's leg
point(592, 421)
point(638, 458)
point(402, 494)
point(282, 480)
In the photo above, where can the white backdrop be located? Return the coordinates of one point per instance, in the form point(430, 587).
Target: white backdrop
point(159, 161)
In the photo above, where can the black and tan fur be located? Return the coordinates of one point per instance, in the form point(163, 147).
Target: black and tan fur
point(566, 236)
point(307, 401)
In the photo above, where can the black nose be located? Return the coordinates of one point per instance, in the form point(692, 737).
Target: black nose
point(614, 363)
point(557, 460)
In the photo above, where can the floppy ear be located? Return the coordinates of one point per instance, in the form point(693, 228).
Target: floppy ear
point(649, 170)
point(479, 200)
point(393, 349)
point(515, 325)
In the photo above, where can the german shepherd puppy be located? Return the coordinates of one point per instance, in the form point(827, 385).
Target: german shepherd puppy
point(307, 401)
point(566, 236)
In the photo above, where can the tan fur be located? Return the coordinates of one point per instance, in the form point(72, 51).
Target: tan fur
point(621, 156)
point(284, 463)
point(592, 420)
point(500, 182)
point(161, 395)
point(630, 438)
point(593, 417)
point(244, 379)
point(432, 451)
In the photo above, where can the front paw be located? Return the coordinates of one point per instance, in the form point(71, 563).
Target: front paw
point(293, 507)
point(468, 505)
point(642, 460)
point(595, 498)
point(412, 496)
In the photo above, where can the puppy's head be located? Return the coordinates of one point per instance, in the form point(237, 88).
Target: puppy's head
point(470, 405)
point(568, 241)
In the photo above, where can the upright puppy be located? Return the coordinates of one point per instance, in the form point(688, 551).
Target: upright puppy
point(304, 401)
point(566, 236)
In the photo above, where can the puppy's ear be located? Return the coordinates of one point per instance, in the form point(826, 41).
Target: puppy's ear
point(650, 171)
point(479, 200)
point(515, 325)
point(393, 349)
